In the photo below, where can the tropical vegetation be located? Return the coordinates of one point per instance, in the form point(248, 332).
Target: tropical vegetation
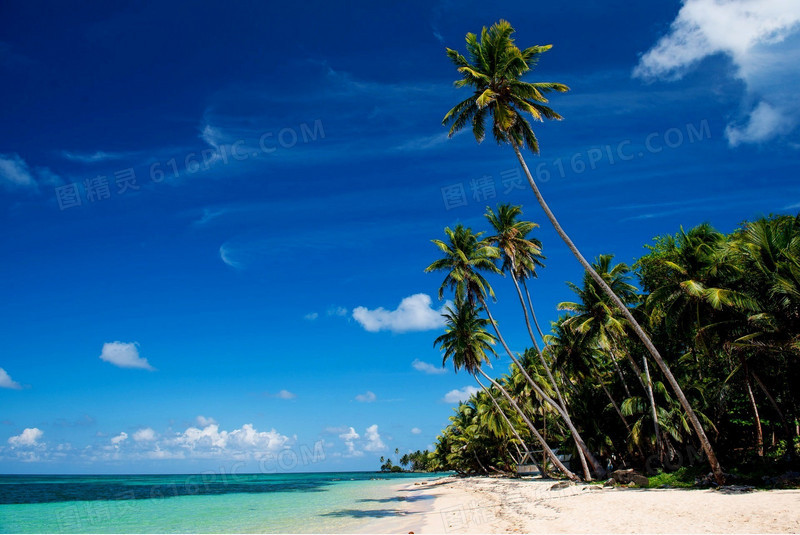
point(723, 308)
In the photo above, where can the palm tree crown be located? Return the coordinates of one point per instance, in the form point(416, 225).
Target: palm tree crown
point(465, 257)
point(493, 68)
point(466, 341)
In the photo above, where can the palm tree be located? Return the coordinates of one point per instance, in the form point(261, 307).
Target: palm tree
point(520, 254)
point(465, 256)
point(404, 460)
point(494, 71)
point(467, 343)
point(597, 319)
point(576, 354)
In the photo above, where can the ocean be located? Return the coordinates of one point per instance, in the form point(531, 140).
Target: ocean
point(202, 503)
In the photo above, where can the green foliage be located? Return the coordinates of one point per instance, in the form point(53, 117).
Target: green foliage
point(724, 310)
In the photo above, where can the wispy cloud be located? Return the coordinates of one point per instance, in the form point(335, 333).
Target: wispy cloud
point(16, 174)
point(311, 316)
point(97, 156)
point(281, 394)
point(226, 255)
point(762, 40)
point(413, 314)
point(366, 397)
point(124, 355)
point(203, 421)
point(425, 367)
point(7, 382)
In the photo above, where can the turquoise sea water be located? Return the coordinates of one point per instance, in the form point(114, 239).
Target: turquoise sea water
point(246, 503)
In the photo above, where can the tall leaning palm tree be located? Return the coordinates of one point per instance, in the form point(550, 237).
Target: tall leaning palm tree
point(519, 253)
point(494, 71)
point(465, 256)
point(468, 345)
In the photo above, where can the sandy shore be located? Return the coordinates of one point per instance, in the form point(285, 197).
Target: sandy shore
point(492, 505)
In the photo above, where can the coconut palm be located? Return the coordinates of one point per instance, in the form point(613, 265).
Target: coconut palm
point(520, 253)
point(577, 355)
point(466, 255)
point(493, 69)
point(468, 345)
point(596, 318)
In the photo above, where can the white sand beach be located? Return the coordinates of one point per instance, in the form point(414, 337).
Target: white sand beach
point(495, 505)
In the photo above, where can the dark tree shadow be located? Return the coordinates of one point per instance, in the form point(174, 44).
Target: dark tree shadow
point(358, 513)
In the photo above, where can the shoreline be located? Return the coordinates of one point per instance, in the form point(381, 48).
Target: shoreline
point(484, 504)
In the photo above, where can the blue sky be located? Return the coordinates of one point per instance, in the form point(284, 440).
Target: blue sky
point(242, 281)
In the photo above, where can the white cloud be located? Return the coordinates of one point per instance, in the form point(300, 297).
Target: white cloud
point(244, 442)
point(337, 311)
point(7, 382)
point(366, 397)
point(463, 394)
point(14, 172)
point(202, 421)
point(416, 430)
point(374, 442)
point(122, 437)
point(349, 437)
point(762, 40)
point(285, 394)
point(226, 256)
point(413, 314)
point(424, 367)
point(124, 355)
point(97, 156)
point(764, 123)
point(29, 437)
point(311, 316)
point(350, 434)
point(146, 434)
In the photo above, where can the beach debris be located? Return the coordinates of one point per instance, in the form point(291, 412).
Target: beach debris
point(735, 489)
point(628, 477)
point(610, 482)
point(783, 481)
point(562, 485)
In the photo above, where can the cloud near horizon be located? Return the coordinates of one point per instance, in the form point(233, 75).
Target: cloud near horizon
point(414, 313)
point(124, 355)
point(29, 437)
point(762, 40)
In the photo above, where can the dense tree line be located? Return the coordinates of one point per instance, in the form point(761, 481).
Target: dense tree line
point(723, 309)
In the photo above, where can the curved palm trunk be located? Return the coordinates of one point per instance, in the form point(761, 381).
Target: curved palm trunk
point(698, 428)
point(653, 412)
point(582, 450)
point(754, 406)
point(533, 314)
point(636, 369)
point(556, 461)
point(541, 393)
point(502, 413)
point(774, 404)
point(619, 372)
